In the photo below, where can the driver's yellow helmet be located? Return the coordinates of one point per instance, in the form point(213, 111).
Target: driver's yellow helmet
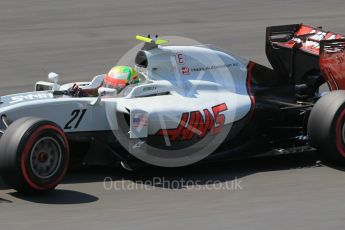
point(121, 76)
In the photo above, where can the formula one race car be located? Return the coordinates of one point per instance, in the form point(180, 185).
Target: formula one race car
point(192, 103)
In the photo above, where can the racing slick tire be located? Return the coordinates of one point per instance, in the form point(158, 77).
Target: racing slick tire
point(326, 127)
point(34, 155)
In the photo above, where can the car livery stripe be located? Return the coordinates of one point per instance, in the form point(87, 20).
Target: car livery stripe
point(249, 86)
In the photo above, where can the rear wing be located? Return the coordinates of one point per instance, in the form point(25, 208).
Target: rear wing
point(332, 63)
point(293, 50)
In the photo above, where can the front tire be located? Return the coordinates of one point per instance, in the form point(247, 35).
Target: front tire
point(34, 155)
point(326, 126)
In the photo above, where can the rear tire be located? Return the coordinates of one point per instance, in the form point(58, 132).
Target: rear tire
point(34, 155)
point(326, 127)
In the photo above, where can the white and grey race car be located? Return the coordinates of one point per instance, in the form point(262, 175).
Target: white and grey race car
point(192, 103)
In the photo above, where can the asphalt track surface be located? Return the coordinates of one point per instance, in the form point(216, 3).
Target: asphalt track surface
point(82, 38)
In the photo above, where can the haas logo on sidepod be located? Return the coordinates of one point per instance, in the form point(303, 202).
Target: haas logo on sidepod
point(194, 124)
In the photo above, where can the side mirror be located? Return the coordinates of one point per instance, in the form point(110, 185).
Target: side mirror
point(54, 77)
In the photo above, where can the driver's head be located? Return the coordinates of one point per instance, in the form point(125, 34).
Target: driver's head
point(120, 76)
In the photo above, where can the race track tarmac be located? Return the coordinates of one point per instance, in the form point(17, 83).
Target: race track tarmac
point(82, 38)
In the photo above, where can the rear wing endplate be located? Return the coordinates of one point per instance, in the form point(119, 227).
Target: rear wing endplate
point(332, 62)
